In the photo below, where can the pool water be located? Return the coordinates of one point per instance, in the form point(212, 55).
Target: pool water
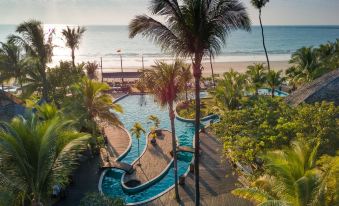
point(137, 108)
point(267, 92)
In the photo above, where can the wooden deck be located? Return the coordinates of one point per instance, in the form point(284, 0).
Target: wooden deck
point(106, 162)
point(118, 140)
point(216, 180)
point(155, 159)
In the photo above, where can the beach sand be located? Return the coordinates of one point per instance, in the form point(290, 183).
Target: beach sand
point(219, 67)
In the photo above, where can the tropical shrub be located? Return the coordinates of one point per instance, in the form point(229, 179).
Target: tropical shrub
point(266, 123)
point(96, 199)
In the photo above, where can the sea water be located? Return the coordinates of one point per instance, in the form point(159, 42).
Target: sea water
point(104, 41)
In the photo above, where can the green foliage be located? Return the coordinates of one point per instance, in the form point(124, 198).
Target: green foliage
point(266, 123)
point(310, 63)
point(257, 76)
point(90, 104)
point(137, 130)
point(291, 177)
point(37, 154)
point(187, 109)
point(155, 120)
point(274, 79)
point(230, 89)
point(91, 68)
point(96, 199)
point(61, 78)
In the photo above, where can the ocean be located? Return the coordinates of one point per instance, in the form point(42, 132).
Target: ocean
point(104, 41)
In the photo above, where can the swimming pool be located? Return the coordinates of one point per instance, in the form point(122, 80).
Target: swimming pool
point(267, 92)
point(137, 108)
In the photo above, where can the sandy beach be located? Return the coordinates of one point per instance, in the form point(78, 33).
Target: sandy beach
point(219, 67)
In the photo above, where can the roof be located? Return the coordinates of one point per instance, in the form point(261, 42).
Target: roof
point(324, 88)
point(116, 75)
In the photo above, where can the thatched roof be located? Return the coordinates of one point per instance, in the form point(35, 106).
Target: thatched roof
point(325, 88)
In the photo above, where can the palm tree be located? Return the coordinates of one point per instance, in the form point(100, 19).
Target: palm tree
point(35, 155)
point(91, 68)
point(37, 45)
point(166, 84)
point(306, 62)
point(292, 178)
point(12, 63)
point(73, 37)
point(186, 77)
point(91, 103)
point(137, 130)
point(192, 29)
point(259, 4)
point(257, 76)
point(274, 80)
point(230, 89)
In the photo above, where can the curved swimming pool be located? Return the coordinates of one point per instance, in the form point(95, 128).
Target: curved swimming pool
point(137, 108)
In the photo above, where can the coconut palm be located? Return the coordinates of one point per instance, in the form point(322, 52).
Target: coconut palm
point(193, 29)
point(90, 104)
point(230, 89)
point(257, 76)
point(186, 77)
point(37, 45)
point(305, 60)
point(12, 62)
point(292, 178)
point(36, 154)
point(91, 68)
point(259, 4)
point(137, 130)
point(274, 80)
point(72, 37)
point(155, 121)
point(166, 84)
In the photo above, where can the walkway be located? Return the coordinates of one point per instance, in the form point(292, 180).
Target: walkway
point(216, 180)
point(118, 140)
point(155, 159)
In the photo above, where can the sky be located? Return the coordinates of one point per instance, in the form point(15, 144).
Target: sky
point(120, 12)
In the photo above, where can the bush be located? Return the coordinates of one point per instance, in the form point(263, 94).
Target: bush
point(96, 199)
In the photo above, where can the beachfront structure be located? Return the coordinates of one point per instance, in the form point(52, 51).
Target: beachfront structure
point(325, 88)
point(10, 106)
point(112, 76)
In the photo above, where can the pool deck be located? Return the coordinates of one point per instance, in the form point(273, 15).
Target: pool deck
point(155, 159)
point(216, 180)
point(118, 139)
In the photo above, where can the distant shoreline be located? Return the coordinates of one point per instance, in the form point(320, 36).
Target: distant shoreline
point(218, 67)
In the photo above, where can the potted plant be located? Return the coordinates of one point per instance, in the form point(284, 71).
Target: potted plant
point(156, 124)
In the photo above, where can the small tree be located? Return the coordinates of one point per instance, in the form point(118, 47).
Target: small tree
point(274, 80)
point(137, 130)
point(91, 68)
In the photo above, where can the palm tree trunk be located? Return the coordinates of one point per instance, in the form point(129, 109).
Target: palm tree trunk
point(73, 58)
point(272, 91)
point(186, 92)
point(174, 148)
point(139, 153)
point(212, 69)
point(263, 41)
point(197, 76)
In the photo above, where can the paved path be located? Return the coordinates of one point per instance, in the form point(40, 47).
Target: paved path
point(118, 140)
point(155, 159)
point(216, 180)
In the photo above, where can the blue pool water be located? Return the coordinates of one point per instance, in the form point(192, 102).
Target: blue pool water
point(137, 109)
point(267, 92)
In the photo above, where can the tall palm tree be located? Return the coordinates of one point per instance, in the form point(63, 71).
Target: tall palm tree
point(257, 76)
point(36, 154)
point(12, 62)
point(166, 84)
point(274, 80)
point(186, 77)
point(292, 178)
point(37, 45)
point(92, 104)
point(72, 38)
point(193, 28)
point(230, 89)
point(137, 130)
point(259, 4)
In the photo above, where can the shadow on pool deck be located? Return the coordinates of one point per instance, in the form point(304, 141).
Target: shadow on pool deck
point(86, 180)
